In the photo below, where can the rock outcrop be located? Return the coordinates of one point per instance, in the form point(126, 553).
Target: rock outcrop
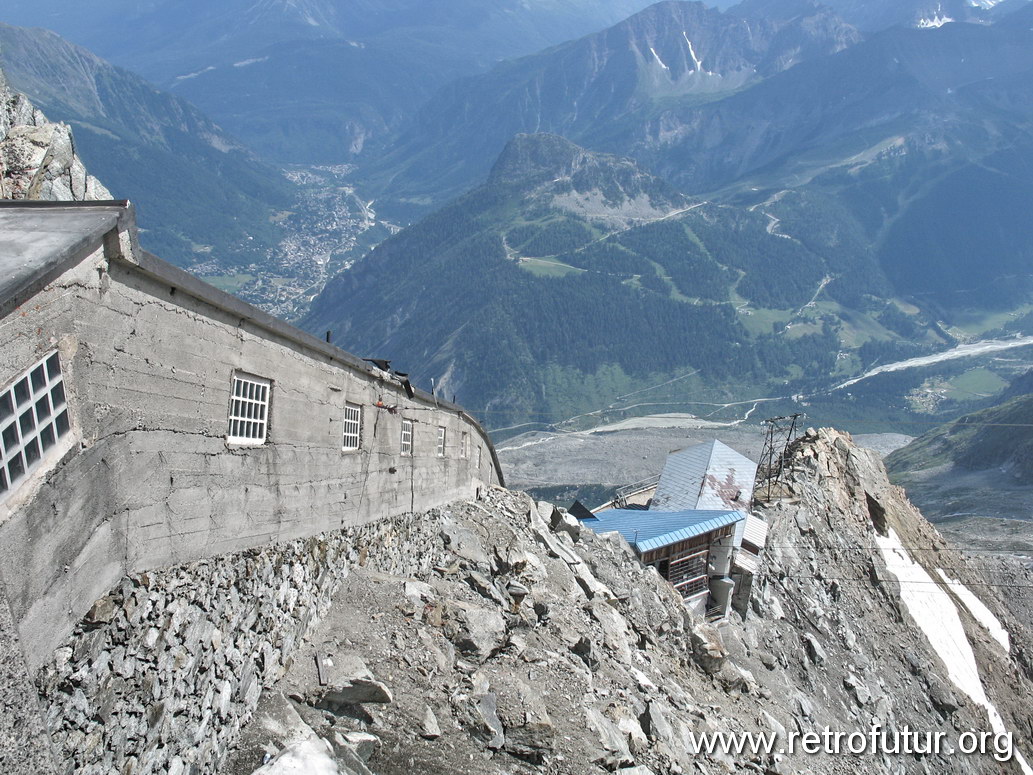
point(37, 157)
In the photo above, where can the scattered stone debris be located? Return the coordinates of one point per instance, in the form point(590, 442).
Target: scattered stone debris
point(489, 638)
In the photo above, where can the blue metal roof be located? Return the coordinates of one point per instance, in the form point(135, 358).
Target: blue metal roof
point(648, 530)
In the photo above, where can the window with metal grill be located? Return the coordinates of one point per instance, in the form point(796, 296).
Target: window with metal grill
point(406, 437)
point(441, 441)
point(249, 410)
point(697, 586)
point(33, 416)
point(352, 427)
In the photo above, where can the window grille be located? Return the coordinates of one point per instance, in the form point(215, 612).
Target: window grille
point(33, 416)
point(464, 447)
point(406, 437)
point(693, 587)
point(441, 441)
point(352, 427)
point(249, 410)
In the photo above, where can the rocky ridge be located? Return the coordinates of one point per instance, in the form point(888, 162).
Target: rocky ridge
point(520, 643)
point(38, 159)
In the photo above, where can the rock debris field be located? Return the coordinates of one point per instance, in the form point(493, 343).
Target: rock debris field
point(521, 643)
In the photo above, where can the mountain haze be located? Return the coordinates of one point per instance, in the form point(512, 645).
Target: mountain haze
point(597, 89)
point(313, 81)
point(198, 190)
point(571, 277)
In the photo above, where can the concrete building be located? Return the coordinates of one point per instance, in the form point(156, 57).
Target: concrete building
point(148, 419)
point(691, 549)
point(699, 480)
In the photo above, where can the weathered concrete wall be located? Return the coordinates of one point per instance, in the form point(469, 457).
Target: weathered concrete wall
point(147, 478)
point(25, 747)
point(164, 670)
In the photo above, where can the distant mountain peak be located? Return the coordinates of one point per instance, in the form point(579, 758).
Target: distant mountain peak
point(529, 156)
point(560, 174)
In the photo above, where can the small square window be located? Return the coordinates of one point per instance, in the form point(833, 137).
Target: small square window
point(406, 437)
point(28, 427)
point(54, 367)
point(46, 437)
point(39, 378)
point(61, 423)
point(22, 394)
point(441, 441)
point(249, 409)
point(15, 468)
point(10, 437)
point(27, 423)
point(352, 435)
point(32, 452)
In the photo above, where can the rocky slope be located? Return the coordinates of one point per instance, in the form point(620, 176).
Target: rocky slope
point(514, 642)
point(38, 158)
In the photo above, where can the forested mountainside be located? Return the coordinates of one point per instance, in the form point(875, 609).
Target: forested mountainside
point(869, 202)
point(315, 81)
point(198, 191)
point(570, 277)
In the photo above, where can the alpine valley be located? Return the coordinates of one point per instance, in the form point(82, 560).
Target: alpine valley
point(694, 209)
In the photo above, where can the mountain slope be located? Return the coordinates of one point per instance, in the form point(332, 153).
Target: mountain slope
point(570, 278)
point(593, 89)
point(199, 192)
point(313, 81)
point(995, 438)
point(877, 15)
point(980, 464)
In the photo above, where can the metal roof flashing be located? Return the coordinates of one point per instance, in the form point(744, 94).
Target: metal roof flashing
point(648, 530)
point(39, 241)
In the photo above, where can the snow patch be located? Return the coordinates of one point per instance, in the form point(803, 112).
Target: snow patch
point(658, 59)
point(310, 756)
point(188, 76)
point(938, 20)
point(692, 53)
point(246, 62)
point(979, 611)
point(937, 617)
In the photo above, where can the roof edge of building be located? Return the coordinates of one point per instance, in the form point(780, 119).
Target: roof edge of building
point(159, 269)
